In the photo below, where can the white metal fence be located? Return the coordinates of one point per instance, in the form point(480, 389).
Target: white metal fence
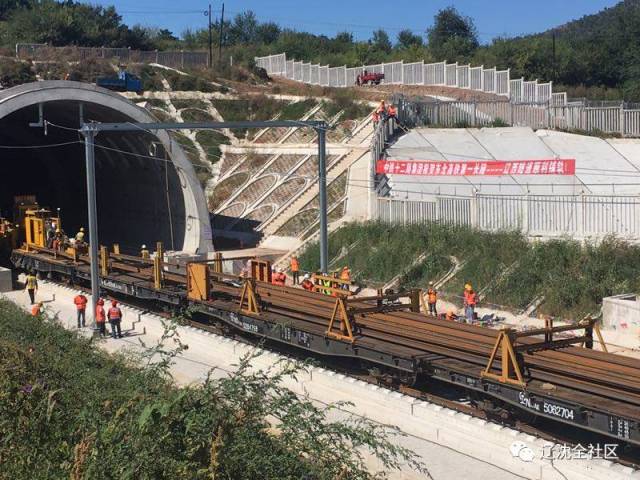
point(175, 59)
point(547, 216)
point(572, 116)
point(479, 78)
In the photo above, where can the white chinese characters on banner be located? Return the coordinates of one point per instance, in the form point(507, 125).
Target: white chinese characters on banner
point(561, 166)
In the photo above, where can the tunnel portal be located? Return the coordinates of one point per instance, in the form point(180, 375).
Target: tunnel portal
point(147, 190)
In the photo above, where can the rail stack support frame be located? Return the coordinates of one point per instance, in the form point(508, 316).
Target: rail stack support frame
point(510, 364)
point(90, 130)
point(345, 313)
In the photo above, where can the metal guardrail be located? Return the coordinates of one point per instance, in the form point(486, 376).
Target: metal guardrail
point(481, 79)
point(175, 59)
point(547, 216)
point(606, 120)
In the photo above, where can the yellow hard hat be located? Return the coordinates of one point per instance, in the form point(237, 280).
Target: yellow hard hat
point(468, 287)
point(82, 229)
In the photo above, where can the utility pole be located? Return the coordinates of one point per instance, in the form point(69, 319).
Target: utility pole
point(221, 37)
point(90, 130)
point(92, 210)
point(208, 14)
point(322, 196)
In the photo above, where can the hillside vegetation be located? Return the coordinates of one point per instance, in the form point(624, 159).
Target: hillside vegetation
point(507, 268)
point(597, 55)
point(68, 410)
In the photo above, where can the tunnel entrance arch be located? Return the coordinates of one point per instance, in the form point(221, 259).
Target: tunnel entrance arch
point(140, 199)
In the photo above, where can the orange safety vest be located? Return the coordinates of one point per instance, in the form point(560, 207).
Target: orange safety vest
point(295, 266)
point(345, 275)
point(470, 298)
point(307, 285)
point(80, 301)
point(115, 313)
point(35, 310)
point(100, 314)
point(432, 296)
point(392, 112)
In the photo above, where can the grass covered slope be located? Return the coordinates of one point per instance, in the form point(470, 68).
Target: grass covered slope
point(68, 410)
point(572, 277)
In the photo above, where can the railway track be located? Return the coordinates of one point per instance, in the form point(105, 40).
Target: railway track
point(592, 392)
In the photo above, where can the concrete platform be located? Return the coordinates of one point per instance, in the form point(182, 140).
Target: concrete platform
point(452, 444)
point(6, 282)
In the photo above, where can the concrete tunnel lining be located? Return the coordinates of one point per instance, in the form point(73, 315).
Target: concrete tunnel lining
point(133, 204)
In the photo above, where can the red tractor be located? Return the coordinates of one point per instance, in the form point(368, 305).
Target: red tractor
point(366, 78)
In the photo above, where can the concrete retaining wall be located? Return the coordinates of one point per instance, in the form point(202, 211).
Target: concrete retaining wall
point(622, 313)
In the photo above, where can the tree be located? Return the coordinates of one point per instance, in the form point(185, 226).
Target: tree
point(267, 33)
point(407, 39)
point(380, 41)
point(119, 420)
point(7, 6)
point(244, 28)
point(452, 36)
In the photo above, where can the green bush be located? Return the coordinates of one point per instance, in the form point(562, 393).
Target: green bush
point(573, 278)
point(195, 115)
point(342, 100)
point(188, 83)
point(13, 72)
point(210, 141)
point(296, 110)
point(151, 77)
point(68, 410)
point(258, 107)
point(157, 103)
point(189, 103)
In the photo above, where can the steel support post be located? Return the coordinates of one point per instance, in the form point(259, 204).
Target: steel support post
point(92, 210)
point(322, 196)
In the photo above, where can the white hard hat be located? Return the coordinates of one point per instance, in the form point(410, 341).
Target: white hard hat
point(273, 269)
point(144, 246)
point(280, 270)
point(430, 283)
point(305, 276)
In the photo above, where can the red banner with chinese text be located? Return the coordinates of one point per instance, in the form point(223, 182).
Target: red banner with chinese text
point(558, 166)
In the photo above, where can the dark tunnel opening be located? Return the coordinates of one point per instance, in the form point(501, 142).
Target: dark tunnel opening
point(139, 195)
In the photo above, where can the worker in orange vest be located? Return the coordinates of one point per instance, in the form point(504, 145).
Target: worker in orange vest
point(295, 269)
point(81, 306)
point(115, 319)
point(432, 299)
point(470, 301)
point(36, 310)
point(382, 109)
point(345, 275)
point(307, 284)
point(101, 318)
point(392, 112)
point(375, 117)
point(144, 252)
point(279, 278)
